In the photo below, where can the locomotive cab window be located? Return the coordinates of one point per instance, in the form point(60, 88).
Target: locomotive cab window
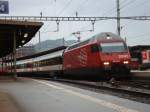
point(113, 47)
point(94, 48)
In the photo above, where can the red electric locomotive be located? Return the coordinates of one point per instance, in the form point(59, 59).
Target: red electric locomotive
point(103, 53)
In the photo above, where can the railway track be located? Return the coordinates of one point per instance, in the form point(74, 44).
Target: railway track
point(142, 84)
point(115, 86)
point(125, 89)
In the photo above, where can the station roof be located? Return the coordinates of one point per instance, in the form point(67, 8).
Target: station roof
point(43, 53)
point(22, 30)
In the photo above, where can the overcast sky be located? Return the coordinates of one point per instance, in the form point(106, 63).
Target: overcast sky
point(136, 32)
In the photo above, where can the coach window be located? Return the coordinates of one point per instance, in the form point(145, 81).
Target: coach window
point(33, 64)
point(36, 64)
point(47, 62)
point(40, 63)
point(22, 65)
point(44, 63)
point(94, 48)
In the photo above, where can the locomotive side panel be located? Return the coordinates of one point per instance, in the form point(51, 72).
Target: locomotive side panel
point(80, 60)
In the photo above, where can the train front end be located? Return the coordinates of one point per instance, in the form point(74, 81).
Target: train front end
point(114, 55)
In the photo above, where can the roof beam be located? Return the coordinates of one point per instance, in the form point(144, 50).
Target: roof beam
point(70, 18)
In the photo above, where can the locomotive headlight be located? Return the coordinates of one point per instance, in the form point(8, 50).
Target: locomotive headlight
point(125, 62)
point(106, 63)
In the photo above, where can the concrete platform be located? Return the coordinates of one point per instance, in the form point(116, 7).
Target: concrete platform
point(141, 74)
point(144, 71)
point(7, 104)
point(46, 96)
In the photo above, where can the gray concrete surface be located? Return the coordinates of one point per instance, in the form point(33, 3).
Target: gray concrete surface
point(145, 74)
point(45, 96)
point(7, 104)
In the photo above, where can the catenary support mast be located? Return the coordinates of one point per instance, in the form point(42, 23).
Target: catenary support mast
point(118, 18)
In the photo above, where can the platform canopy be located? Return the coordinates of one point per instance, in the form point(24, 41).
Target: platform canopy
point(23, 31)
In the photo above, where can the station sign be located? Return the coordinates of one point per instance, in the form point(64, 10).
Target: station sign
point(4, 7)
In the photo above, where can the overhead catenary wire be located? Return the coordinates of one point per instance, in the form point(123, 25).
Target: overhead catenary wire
point(65, 7)
point(139, 5)
point(109, 11)
point(124, 5)
point(51, 2)
point(142, 3)
point(127, 4)
point(80, 6)
point(113, 9)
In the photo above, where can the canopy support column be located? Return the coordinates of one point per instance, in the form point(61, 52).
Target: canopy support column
point(2, 65)
point(11, 58)
point(14, 55)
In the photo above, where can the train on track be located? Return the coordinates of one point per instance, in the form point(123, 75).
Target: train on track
point(140, 57)
point(103, 55)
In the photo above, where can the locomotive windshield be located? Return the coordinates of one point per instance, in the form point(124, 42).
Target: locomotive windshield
point(113, 47)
